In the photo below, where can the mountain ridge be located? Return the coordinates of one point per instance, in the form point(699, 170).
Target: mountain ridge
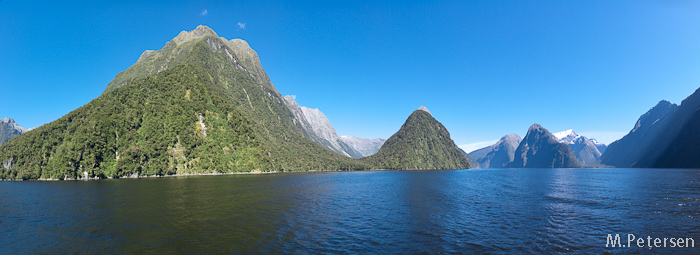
point(9, 129)
point(540, 149)
point(498, 155)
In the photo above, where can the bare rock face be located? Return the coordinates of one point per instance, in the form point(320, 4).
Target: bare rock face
point(499, 154)
point(9, 163)
point(317, 128)
point(9, 129)
point(425, 109)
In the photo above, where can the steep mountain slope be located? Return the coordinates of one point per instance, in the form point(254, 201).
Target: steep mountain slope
point(684, 150)
point(8, 129)
point(472, 162)
point(540, 149)
point(151, 116)
point(173, 122)
point(586, 150)
point(365, 147)
point(421, 143)
point(670, 130)
point(317, 128)
point(632, 147)
point(499, 154)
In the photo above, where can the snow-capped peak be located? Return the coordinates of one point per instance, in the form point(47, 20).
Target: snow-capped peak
point(594, 141)
point(568, 136)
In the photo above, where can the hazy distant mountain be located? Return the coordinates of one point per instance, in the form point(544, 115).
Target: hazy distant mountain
point(631, 148)
point(472, 161)
point(9, 128)
point(317, 128)
point(587, 151)
point(540, 149)
point(499, 154)
point(366, 147)
point(421, 143)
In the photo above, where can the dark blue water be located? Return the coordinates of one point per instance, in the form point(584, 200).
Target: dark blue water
point(463, 211)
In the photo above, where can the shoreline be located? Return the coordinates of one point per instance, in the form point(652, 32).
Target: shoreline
point(216, 173)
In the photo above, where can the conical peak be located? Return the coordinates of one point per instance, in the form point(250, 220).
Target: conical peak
point(535, 127)
point(425, 109)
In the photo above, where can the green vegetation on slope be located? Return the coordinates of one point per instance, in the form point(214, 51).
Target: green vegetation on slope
point(151, 126)
point(201, 105)
point(421, 143)
point(148, 127)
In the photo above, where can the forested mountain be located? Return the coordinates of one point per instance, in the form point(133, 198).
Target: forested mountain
point(201, 104)
point(421, 143)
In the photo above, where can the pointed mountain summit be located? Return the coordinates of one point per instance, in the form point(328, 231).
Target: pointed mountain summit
point(540, 149)
point(587, 151)
point(665, 137)
point(421, 143)
point(634, 146)
point(202, 104)
point(499, 154)
point(9, 129)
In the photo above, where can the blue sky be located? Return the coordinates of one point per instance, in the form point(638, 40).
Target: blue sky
point(484, 69)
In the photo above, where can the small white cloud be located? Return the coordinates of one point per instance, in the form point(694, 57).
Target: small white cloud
point(204, 12)
point(294, 97)
point(475, 146)
point(241, 25)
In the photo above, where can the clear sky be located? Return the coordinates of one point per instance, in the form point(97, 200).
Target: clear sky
point(484, 69)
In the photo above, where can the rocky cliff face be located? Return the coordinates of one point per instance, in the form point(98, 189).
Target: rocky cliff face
point(499, 154)
point(317, 128)
point(9, 129)
point(366, 147)
point(540, 149)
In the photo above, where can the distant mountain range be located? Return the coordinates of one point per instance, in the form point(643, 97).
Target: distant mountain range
point(366, 147)
point(498, 155)
point(317, 128)
point(587, 151)
point(540, 149)
point(9, 128)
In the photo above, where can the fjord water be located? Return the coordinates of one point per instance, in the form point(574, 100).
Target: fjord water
point(460, 211)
